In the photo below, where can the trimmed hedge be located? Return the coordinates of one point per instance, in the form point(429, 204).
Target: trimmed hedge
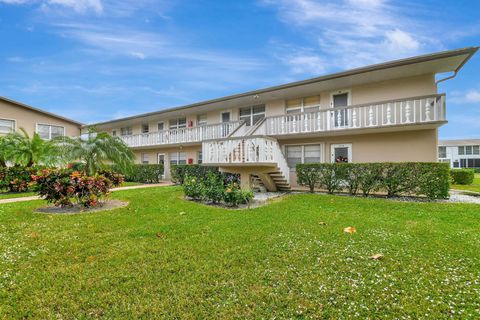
point(180, 171)
point(462, 176)
point(408, 178)
point(145, 173)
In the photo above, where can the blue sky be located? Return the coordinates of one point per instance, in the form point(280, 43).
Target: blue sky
point(95, 60)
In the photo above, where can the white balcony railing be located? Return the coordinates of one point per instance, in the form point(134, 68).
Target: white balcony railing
point(184, 135)
point(414, 110)
point(245, 150)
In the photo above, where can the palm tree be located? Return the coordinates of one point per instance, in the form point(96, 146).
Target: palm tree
point(5, 148)
point(96, 150)
point(26, 151)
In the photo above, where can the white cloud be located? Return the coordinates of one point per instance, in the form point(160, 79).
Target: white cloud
point(352, 33)
point(473, 96)
point(306, 63)
point(80, 6)
point(469, 96)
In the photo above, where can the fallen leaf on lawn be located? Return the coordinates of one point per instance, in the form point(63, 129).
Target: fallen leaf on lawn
point(91, 258)
point(161, 235)
point(183, 213)
point(322, 223)
point(377, 256)
point(350, 230)
point(34, 235)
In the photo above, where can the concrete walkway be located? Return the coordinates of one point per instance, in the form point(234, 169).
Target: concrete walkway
point(142, 186)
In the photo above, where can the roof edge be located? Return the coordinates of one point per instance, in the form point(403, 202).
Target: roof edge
point(374, 67)
point(26, 106)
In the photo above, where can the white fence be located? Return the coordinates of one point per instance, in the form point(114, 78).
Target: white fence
point(414, 110)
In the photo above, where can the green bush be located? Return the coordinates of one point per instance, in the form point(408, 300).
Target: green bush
point(180, 171)
point(210, 185)
point(462, 176)
point(144, 173)
point(394, 179)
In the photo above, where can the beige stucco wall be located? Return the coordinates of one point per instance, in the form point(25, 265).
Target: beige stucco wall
point(402, 146)
point(191, 152)
point(27, 119)
point(378, 91)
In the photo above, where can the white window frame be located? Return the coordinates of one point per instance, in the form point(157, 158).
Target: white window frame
point(145, 158)
point(14, 125)
point(50, 129)
point(163, 125)
point(338, 92)
point(177, 126)
point(322, 151)
point(302, 106)
point(442, 152)
point(202, 123)
point(128, 134)
point(178, 157)
point(225, 111)
point(253, 114)
point(340, 145)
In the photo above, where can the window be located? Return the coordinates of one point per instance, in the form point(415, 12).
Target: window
point(145, 158)
point(456, 164)
point(47, 132)
point(442, 152)
point(161, 126)
point(308, 104)
point(468, 150)
point(114, 133)
point(126, 131)
point(310, 153)
point(7, 126)
point(469, 163)
point(145, 128)
point(199, 157)
point(178, 158)
point(252, 115)
point(178, 123)
point(201, 119)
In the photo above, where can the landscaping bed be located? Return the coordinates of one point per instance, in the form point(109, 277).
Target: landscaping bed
point(165, 257)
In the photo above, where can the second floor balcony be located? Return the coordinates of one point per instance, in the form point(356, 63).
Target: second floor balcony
point(414, 111)
point(181, 136)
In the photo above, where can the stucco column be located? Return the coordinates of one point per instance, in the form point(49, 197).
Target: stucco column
point(245, 181)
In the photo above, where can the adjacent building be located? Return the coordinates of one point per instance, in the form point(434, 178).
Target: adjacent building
point(384, 112)
point(15, 115)
point(464, 153)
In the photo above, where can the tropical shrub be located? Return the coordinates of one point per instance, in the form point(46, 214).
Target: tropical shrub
point(234, 196)
point(180, 171)
point(394, 179)
point(144, 173)
point(16, 178)
point(64, 187)
point(462, 176)
point(215, 187)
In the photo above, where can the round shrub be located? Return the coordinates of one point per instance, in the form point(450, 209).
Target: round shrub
point(462, 176)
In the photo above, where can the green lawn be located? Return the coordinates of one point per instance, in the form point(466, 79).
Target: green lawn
point(163, 257)
point(475, 186)
point(9, 195)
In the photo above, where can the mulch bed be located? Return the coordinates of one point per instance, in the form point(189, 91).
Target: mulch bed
point(104, 206)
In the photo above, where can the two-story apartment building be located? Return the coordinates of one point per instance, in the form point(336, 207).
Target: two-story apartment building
point(384, 112)
point(15, 115)
point(462, 153)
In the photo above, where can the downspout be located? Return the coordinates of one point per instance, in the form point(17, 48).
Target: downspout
point(447, 78)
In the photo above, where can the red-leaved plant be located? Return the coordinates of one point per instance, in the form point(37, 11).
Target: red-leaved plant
point(65, 187)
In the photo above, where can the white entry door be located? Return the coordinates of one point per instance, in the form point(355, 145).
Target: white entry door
point(161, 160)
point(225, 118)
point(341, 153)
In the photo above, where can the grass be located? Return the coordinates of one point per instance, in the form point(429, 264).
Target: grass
point(10, 195)
point(164, 257)
point(475, 186)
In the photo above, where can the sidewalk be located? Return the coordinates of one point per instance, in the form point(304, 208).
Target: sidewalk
point(142, 186)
